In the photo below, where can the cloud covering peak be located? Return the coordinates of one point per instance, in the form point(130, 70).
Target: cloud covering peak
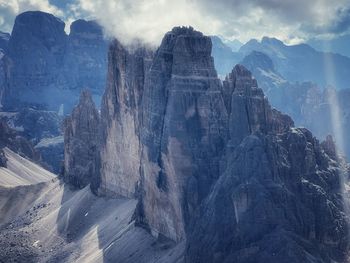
point(148, 20)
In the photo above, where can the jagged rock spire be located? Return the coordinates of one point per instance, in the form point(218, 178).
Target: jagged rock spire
point(81, 139)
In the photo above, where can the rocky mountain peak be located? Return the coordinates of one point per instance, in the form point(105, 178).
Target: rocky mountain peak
point(272, 41)
point(184, 31)
point(85, 101)
point(260, 60)
point(82, 26)
point(81, 143)
point(46, 69)
point(37, 26)
point(250, 111)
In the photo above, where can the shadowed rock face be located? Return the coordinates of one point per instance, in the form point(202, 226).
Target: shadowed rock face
point(34, 58)
point(81, 141)
point(87, 57)
point(280, 196)
point(249, 109)
point(120, 120)
point(184, 131)
point(3, 159)
point(4, 39)
point(44, 68)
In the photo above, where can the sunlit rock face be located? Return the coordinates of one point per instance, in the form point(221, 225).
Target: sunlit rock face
point(121, 120)
point(280, 196)
point(81, 142)
point(183, 134)
point(45, 68)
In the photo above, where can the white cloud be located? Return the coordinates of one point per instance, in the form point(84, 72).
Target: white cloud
point(148, 20)
point(289, 20)
point(10, 8)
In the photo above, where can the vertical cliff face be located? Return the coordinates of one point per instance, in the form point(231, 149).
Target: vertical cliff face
point(4, 39)
point(87, 57)
point(183, 132)
point(81, 143)
point(44, 68)
point(120, 115)
point(34, 58)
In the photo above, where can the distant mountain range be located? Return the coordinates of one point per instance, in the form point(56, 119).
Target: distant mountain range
point(295, 62)
point(338, 45)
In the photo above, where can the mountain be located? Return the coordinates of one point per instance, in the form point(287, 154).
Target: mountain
point(308, 104)
point(4, 39)
point(188, 168)
point(224, 56)
point(121, 120)
point(234, 44)
point(42, 73)
point(46, 69)
point(214, 166)
point(303, 63)
point(296, 63)
point(338, 45)
point(81, 142)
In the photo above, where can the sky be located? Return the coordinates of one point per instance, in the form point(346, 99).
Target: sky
point(292, 21)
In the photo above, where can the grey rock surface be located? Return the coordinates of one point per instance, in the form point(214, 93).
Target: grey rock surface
point(86, 58)
point(34, 60)
point(120, 120)
point(81, 142)
point(41, 128)
point(280, 196)
point(183, 133)
point(46, 69)
point(323, 111)
point(11, 139)
point(214, 165)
